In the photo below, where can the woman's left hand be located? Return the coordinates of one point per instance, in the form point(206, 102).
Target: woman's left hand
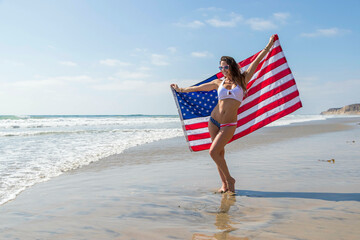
point(271, 41)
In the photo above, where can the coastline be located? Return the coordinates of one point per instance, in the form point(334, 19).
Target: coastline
point(162, 191)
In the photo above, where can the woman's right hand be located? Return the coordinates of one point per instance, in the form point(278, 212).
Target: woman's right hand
point(175, 87)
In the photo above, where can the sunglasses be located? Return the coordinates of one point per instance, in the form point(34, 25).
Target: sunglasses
point(224, 67)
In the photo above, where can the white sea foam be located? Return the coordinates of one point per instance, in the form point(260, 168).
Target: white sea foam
point(38, 149)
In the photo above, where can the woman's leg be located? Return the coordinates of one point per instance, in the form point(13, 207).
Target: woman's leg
point(213, 132)
point(217, 154)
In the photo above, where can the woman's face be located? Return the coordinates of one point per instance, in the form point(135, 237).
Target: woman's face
point(224, 67)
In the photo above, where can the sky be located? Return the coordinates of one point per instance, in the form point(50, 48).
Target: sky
point(119, 57)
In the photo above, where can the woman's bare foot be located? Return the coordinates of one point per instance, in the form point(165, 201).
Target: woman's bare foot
point(231, 185)
point(223, 188)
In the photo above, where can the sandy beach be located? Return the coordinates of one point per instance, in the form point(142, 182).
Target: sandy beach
point(299, 181)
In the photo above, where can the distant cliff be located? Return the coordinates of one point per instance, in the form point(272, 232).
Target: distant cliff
point(352, 109)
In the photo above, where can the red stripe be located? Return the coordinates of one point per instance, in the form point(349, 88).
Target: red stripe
point(198, 136)
point(195, 126)
point(249, 60)
point(201, 147)
point(266, 95)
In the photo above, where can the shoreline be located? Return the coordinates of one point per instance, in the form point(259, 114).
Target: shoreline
point(163, 191)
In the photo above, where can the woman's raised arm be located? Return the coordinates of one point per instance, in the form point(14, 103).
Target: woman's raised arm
point(203, 87)
point(251, 70)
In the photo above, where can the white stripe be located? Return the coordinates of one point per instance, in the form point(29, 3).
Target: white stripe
point(200, 142)
point(267, 114)
point(197, 131)
point(196, 120)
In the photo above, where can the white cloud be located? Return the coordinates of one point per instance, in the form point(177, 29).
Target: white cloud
point(281, 17)
point(210, 9)
point(325, 32)
point(216, 22)
point(203, 54)
point(114, 62)
point(172, 49)
point(68, 63)
point(159, 60)
point(260, 24)
point(193, 24)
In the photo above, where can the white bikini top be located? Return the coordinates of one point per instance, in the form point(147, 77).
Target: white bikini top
point(236, 93)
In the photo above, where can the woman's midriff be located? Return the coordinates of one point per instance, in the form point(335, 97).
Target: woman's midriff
point(226, 111)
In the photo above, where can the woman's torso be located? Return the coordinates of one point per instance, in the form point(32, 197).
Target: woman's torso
point(226, 109)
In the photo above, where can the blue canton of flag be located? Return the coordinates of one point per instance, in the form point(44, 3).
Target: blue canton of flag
point(197, 104)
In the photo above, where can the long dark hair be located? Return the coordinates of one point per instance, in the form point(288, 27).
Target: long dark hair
point(234, 72)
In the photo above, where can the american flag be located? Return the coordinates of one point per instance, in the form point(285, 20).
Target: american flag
point(272, 94)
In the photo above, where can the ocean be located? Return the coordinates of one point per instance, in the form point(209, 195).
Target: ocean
point(37, 148)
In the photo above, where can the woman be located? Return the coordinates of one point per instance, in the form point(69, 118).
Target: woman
point(223, 120)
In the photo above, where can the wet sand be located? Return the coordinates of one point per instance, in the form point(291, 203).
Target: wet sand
point(286, 189)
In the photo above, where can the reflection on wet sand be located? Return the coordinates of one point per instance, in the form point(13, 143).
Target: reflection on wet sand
point(222, 222)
